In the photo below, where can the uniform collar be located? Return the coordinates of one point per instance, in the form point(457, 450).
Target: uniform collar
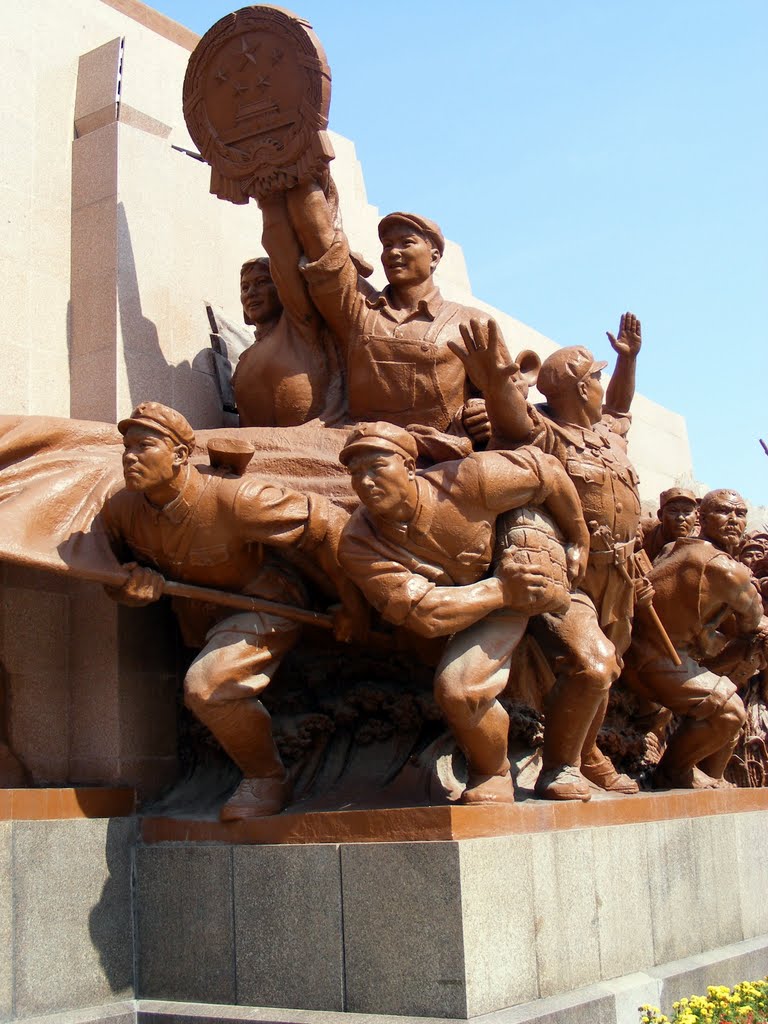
point(584, 437)
point(420, 522)
point(176, 511)
point(427, 307)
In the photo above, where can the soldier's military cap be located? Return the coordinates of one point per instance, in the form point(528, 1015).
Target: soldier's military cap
point(383, 437)
point(425, 227)
point(162, 420)
point(573, 363)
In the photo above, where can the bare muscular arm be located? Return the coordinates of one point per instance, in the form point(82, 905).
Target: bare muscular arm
point(726, 586)
point(282, 245)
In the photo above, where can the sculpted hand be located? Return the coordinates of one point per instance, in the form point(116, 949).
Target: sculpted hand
point(643, 592)
point(526, 589)
point(576, 556)
point(475, 420)
point(630, 339)
point(351, 620)
point(484, 353)
point(143, 586)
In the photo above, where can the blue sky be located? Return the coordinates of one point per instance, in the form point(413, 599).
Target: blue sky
point(590, 156)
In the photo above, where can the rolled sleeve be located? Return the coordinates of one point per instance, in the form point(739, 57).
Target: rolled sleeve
point(336, 289)
point(510, 479)
point(324, 274)
point(267, 514)
point(392, 589)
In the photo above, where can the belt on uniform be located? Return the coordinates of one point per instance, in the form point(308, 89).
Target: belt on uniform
point(618, 554)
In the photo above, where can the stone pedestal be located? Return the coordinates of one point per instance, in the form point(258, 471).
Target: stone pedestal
point(65, 900)
point(453, 928)
point(558, 922)
point(91, 686)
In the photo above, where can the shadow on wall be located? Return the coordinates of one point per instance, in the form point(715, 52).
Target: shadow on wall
point(110, 922)
point(13, 774)
point(188, 387)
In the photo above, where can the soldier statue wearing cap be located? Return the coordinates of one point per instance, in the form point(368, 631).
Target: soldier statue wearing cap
point(174, 520)
point(395, 342)
point(678, 517)
point(420, 548)
point(589, 439)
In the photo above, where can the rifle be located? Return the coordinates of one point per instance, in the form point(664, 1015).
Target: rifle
point(242, 602)
point(643, 566)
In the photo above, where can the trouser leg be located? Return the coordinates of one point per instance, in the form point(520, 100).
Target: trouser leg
point(706, 742)
point(585, 665)
point(592, 758)
point(712, 714)
point(223, 685)
point(733, 716)
point(472, 673)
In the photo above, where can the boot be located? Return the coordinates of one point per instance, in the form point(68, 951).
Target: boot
point(564, 782)
point(256, 798)
point(489, 789)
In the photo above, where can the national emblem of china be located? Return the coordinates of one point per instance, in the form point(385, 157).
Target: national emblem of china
point(256, 97)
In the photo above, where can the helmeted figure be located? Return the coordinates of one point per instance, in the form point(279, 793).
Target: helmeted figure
point(174, 520)
point(585, 644)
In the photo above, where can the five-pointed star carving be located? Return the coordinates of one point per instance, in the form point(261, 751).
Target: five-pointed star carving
point(248, 51)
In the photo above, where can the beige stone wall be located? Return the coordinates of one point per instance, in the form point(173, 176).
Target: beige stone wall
point(113, 242)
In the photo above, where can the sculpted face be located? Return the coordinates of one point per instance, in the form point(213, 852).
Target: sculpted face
point(592, 393)
point(755, 556)
point(384, 483)
point(407, 257)
point(724, 519)
point(150, 460)
point(678, 518)
point(259, 297)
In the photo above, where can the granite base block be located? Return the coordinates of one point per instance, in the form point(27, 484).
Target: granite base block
point(124, 1012)
point(184, 923)
point(610, 1002)
point(288, 926)
point(72, 943)
point(6, 921)
point(450, 930)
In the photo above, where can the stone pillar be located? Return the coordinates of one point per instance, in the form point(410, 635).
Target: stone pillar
point(129, 332)
point(91, 686)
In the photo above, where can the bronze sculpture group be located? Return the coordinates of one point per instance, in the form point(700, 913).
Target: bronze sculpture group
point(480, 517)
